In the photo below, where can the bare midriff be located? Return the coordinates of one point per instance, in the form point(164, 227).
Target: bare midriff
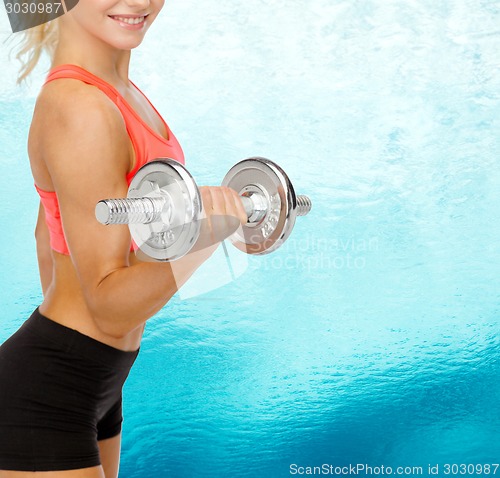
point(65, 304)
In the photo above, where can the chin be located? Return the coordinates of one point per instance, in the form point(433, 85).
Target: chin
point(127, 45)
point(119, 42)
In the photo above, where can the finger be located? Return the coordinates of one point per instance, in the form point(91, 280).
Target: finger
point(206, 200)
point(224, 224)
point(206, 223)
point(230, 217)
point(219, 201)
point(228, 203)
point(239, 209)
point(231, 220)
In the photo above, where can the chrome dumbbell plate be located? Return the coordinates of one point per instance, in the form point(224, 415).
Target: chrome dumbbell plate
point(178, 230)
point(264, 177)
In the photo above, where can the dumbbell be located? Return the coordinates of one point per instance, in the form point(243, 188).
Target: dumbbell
point(163, 207)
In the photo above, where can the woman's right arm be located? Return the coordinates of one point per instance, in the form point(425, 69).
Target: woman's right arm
point(86, 151)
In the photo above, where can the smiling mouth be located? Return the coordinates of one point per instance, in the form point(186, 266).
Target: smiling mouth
point(129, 20)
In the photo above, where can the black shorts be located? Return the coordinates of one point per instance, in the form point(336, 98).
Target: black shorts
point(60, 392)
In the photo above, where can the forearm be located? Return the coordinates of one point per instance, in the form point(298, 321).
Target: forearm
point(129, 296)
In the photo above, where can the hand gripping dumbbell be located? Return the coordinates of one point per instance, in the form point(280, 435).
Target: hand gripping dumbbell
point(163, 207)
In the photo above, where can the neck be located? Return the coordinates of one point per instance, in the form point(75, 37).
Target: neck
point(101, 59)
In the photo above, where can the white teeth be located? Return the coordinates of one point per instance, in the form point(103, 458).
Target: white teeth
point(130, 21)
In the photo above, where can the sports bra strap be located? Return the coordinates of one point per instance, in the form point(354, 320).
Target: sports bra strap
point(78, 73)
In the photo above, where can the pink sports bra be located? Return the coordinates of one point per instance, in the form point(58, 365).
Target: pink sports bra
point(147, 143)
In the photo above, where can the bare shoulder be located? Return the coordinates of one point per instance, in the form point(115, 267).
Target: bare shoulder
point(73, 100)
point(70, 115)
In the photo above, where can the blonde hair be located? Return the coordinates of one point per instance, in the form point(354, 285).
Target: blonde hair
point(35, 41)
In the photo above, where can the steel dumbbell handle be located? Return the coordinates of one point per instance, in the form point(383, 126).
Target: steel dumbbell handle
point(130, 210)
point(256, 206)
point(304, 205)
point(148, 210)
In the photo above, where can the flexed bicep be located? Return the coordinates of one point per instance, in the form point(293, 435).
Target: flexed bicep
point(87, 156)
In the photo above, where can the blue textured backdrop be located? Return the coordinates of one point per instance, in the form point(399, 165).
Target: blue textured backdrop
point(372, 336)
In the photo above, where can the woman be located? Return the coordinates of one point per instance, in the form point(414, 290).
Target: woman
point(62, 372)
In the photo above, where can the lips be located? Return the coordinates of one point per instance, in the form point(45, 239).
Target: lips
point(129, 19)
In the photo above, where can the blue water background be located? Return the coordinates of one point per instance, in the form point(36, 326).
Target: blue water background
point(372, 335)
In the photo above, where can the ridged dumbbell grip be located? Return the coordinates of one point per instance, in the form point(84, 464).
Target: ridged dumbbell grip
point(129, 210)
point(304, 205)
